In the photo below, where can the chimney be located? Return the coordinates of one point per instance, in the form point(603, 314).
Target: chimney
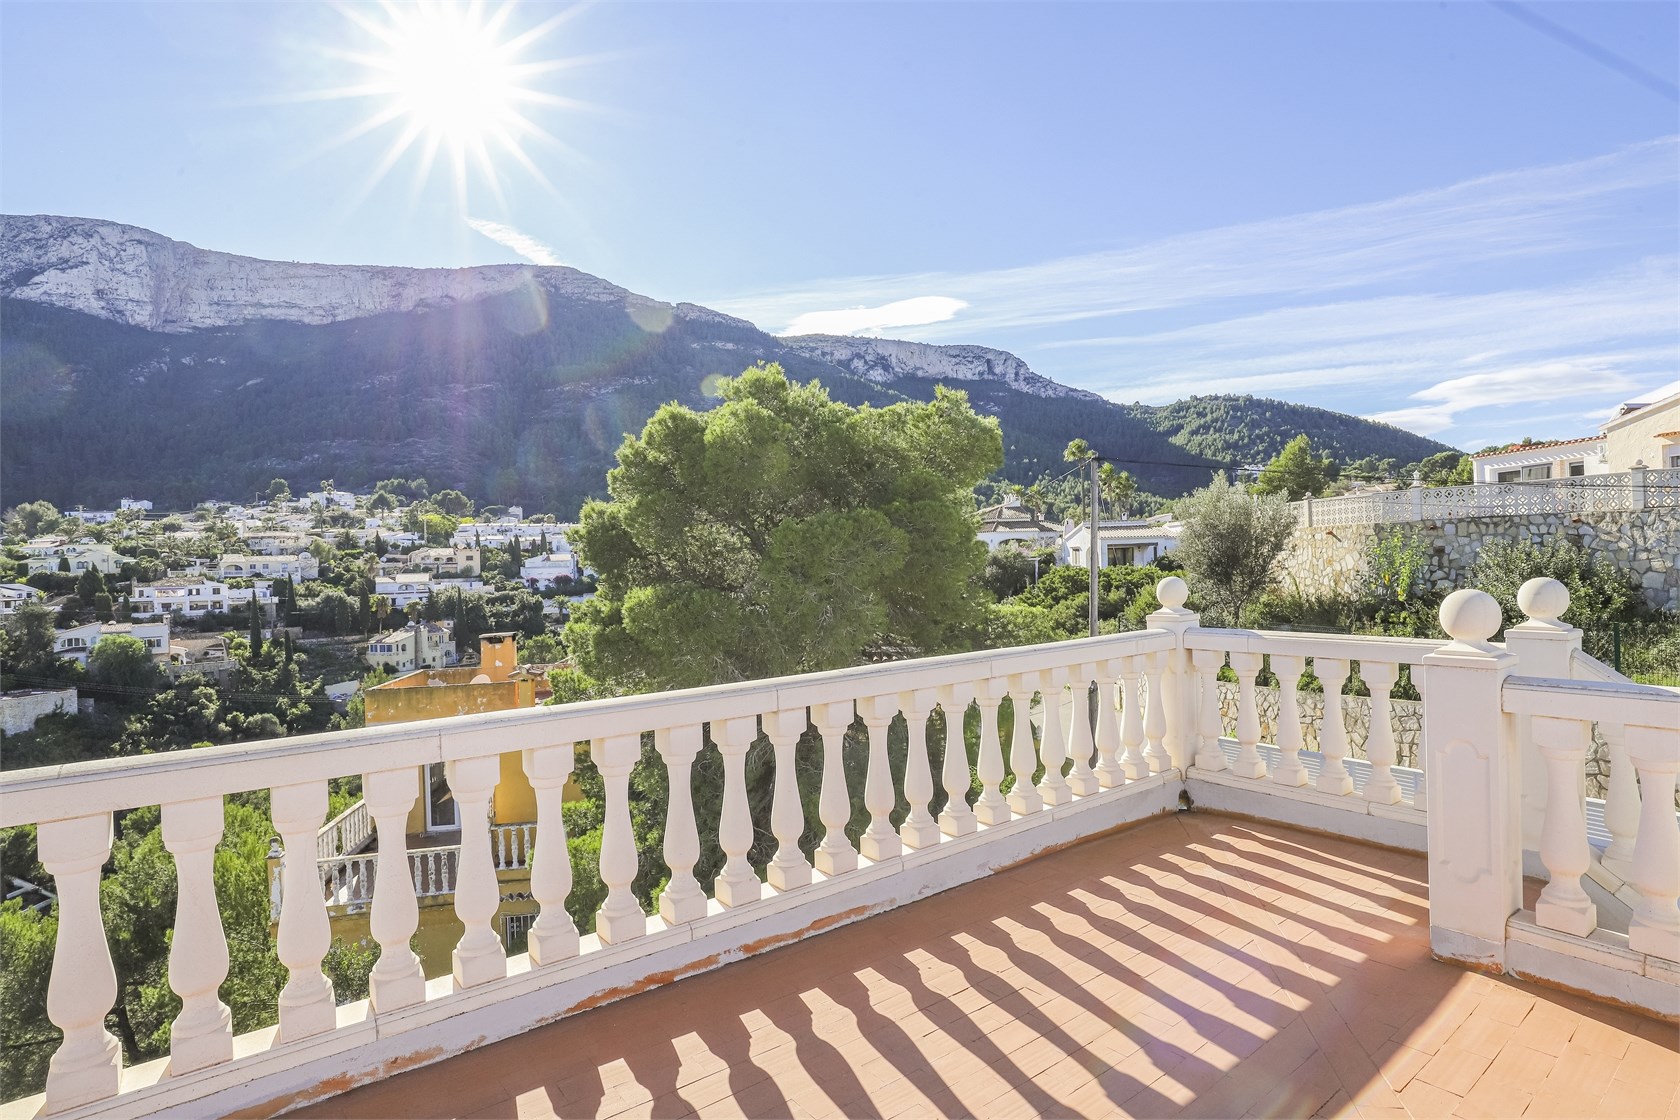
point(498, 654)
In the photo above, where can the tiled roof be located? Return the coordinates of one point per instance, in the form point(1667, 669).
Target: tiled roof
point(1535, 446)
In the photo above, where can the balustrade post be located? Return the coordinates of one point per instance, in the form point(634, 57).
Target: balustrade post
point(682, 900)
point(991, 808)
point(1207, 663)
point(1053, 788)
point(878, 841)
point(1288, 669)
point(479, 956)
point(307, 1005)
point(1023, 760)
point(789, 868)
point(1563, 905)
point(1379, 742)
point(620, 918)
point(202, 1034)
point(1133, 761)
point(1082, 742)
point(554, 936)
point(1621, 801)
point(1249, 763)
point(957, 818)
point(1175, 676)
point(1543, 647)
point(87, 1066)
point(919, 829)
point(1109, 771)
point(1155, 712)
point(737, 883)
point(1333, 776)
point(835, 855)
point(1655, 926)
point(1475, 843)
point(396, 980)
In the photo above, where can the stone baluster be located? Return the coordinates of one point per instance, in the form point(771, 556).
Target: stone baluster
point(1563, 905)
point(1621, 801)
point(991, 808)
point(1108, 769)
point(1249, 764)
point(554, 936)
point(1210, 725)
point(86, 1067)
point(879, 841)
point(919, 829)
point(479, 956)
point(835, 855)
point(620, 918)
point(202, 1034)
point(789, 868)
point(1132, 760)
point(1082, 742)
point(1655, 927)
point(305, 934)
point(737, 883)
point(1379, 741)
point(1288, 669)
point(1023, 759)
point(1333, 776)
point(1053, 788)
point(957, 818)
point(1155, 713)
point(1176, 679)
point(396, 980)
point(682, 900)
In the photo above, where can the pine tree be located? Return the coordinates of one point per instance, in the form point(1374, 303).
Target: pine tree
point(255, 635)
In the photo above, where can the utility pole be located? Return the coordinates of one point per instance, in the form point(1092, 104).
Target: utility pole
point(1096, 520)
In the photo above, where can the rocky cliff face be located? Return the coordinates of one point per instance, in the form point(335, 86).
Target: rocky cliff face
point(143, 279)
point(883, 361)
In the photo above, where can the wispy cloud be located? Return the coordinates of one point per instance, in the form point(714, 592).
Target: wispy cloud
point(523, 244)
point(914, 312)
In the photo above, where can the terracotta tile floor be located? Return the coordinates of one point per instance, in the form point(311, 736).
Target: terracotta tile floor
point(1192, 966)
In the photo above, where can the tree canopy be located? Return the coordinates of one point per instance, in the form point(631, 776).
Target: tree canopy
point(783, 532)
point(1296, 471)
point(1228, 544)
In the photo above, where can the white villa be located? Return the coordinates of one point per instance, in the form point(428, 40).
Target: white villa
point(540, 571)
point(1642, 434)
point(194, 596)
point(78, 641)
point(235, 565)
point(457, 560)
point(404, 587)
point(1009, 522)
point(81, 558)
point(419, 645)
point(14, 595)
point(1130, 543)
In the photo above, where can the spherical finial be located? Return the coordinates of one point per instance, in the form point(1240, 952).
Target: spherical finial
point(1543, 599)
point(1470, 616)
point(1172, 592)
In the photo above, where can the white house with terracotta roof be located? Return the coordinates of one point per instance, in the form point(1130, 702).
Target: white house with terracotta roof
point(1538, 462)
point(1123, 543)
point(1643, 433)
point(1010, 522)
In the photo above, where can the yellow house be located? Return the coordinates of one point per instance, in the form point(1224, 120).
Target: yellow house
point(344, 848)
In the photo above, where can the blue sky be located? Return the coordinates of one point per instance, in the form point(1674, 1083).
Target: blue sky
point(1463, 217)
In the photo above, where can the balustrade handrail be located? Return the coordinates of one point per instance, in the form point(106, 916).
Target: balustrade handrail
point(330, 840)
point(1632, 705)
point(1584, 666)
point(1347, 647)
point(110, 785)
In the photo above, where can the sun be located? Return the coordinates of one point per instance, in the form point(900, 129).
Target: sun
point(452, 80)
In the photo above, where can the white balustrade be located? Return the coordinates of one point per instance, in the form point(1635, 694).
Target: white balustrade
point(737, 883)
point(1288, 670)
point(1053, 788)
point(305, 934)
point(1379, 742)
point(1207, 663)
point(202, 1034)
point(789, 868)
point(1563, 904)
point(919, 829)
point(1108, 769)
point(554, 936)
point(1023, 759)
point(1082, 742)
point(396, 980)
point(1333, 776)
point(86, 1067)
point(682, 900)
point(990, 808)
point(1249, 764)
point(835, 855)
point(1133, 760)
point(957, 818)
point(879, 841)
point(1655, 926)
point(620, 918)
point(479, 956)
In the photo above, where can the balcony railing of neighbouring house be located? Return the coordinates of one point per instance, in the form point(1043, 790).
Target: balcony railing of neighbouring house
point(1637, 489)
point(1124, 724)
point(347, 881)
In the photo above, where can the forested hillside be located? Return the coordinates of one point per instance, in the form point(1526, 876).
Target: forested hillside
point(1252, 430)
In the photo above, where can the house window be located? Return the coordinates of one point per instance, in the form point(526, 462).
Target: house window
point(1075, 560)
point(1120, 555)
point(1674, 460)
point(1535, 474)
point(440, 803)
point(1577, 469)
point(1508, 476)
